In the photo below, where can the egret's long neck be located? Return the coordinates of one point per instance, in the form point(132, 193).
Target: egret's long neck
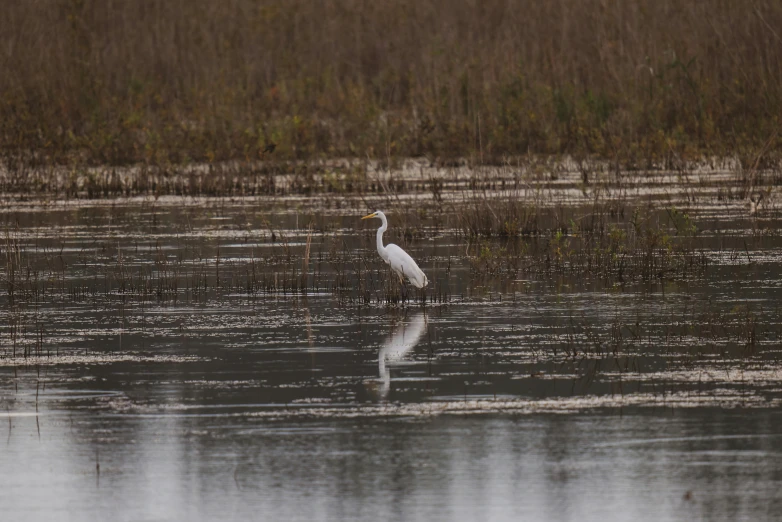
point(380, 248)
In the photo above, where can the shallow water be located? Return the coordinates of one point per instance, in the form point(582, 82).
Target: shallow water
point(182, 465)
point(162, 370)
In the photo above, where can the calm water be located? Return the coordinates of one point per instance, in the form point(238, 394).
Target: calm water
point(183, 465)
point(144, 382)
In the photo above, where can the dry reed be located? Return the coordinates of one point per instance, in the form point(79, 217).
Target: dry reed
point(161, 83)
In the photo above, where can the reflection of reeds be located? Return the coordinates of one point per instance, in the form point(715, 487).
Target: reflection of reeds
point(21, 277)
point(305, 261)
point(516, 191)
point(13, 261)
point(707, 329)
point(234, 179)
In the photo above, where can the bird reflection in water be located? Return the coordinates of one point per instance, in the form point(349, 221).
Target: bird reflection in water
point(401, 342)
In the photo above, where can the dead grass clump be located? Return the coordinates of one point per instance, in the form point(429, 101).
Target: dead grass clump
point(607, 240)
point(508, 215)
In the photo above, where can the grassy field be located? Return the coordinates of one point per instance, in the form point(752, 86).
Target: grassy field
point(100, 82)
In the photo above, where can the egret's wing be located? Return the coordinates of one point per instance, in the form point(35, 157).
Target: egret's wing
point(405, 265)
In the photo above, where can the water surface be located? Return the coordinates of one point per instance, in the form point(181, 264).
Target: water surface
point(178, 359)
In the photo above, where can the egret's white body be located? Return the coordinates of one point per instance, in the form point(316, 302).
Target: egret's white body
point(399, 260)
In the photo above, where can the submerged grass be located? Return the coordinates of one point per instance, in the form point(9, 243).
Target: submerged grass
point(705, 331)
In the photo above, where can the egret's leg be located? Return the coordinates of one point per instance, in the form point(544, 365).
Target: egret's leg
point(404, 287)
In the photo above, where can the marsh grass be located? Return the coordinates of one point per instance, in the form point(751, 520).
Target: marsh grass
point(635, 243)
point(538, 219)
point(196, 271)
point(226, 179)
point(174, 83)
point(510, 233)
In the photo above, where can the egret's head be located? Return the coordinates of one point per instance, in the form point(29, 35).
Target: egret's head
point(372, 215)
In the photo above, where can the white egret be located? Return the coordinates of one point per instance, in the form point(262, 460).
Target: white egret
point(399, 260)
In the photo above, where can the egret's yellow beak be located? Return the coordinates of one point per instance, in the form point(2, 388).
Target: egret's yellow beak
point(373, 214)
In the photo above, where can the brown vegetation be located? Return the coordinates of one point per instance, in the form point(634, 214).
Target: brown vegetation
point(97, 82)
